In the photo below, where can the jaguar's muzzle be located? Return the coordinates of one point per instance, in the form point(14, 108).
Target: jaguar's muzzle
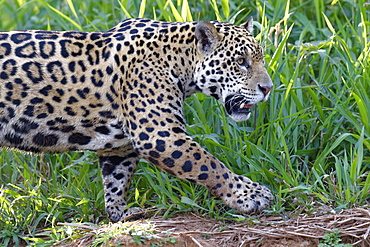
point(238, 107)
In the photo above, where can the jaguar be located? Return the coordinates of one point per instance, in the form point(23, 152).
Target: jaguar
point(121, 93)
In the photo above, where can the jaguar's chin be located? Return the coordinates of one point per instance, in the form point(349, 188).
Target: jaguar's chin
point(240, 117)
point(238, 107)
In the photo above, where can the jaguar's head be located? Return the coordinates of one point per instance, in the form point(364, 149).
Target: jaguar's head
point(231, 67)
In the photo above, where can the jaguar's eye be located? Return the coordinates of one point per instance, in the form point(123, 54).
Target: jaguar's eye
point(241, 61)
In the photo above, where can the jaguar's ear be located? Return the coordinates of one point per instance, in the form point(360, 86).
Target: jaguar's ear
point(207, 36)
point(249, 25)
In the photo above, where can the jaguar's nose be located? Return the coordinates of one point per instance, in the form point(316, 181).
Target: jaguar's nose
point(265, 89)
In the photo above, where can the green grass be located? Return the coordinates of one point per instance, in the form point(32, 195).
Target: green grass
point(310, 143)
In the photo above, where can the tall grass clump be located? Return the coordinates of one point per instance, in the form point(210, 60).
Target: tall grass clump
point(310, 143)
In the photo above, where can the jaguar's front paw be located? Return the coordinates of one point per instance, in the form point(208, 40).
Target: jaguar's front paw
point(247, 196)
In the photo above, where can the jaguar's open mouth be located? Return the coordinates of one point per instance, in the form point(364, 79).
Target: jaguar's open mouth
point(238, 107)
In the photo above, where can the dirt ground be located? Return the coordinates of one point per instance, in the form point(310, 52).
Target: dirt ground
point(191, 230)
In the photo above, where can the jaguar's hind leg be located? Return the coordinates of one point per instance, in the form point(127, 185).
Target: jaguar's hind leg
point(118, 166)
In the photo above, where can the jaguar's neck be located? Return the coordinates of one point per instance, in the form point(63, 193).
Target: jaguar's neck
point(170, 47)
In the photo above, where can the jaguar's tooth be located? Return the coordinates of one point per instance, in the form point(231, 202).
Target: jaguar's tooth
point(242, 105)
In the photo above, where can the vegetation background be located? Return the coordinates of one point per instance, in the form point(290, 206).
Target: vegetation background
point(310, 143)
